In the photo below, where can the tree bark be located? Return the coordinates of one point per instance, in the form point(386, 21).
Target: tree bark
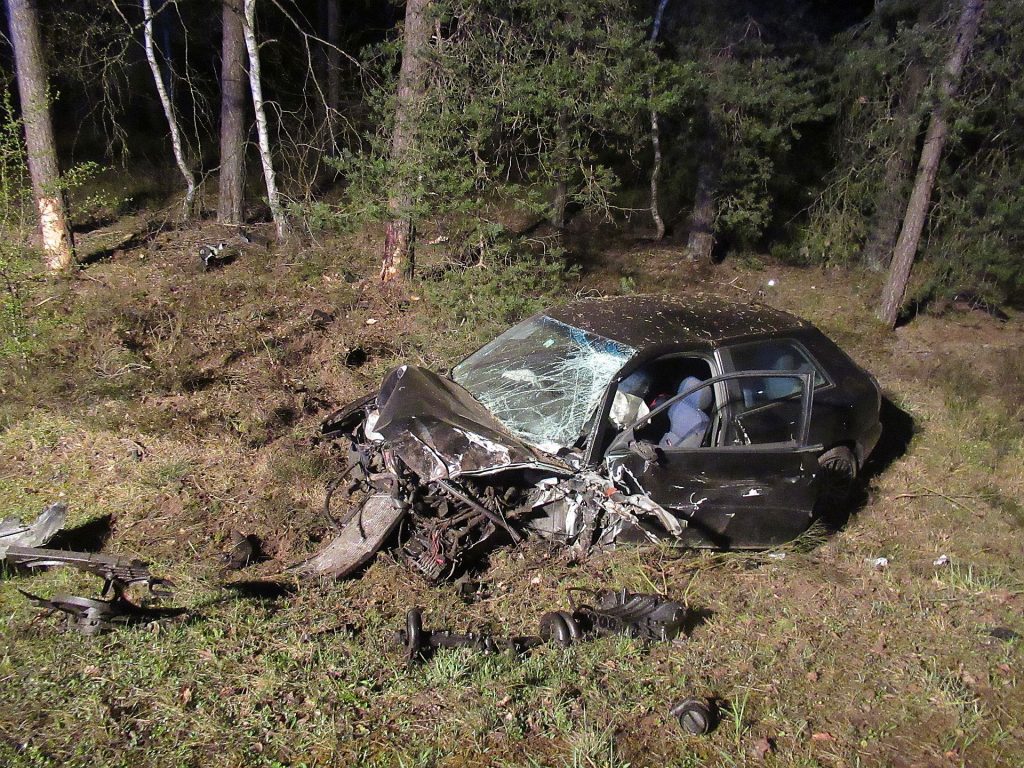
point(560, 200)
point(256, 88)
point(58, 245)
point(165, 102)
point(659, 223)
point(399, 238)
point(931, 153)
point(885, 222)
point(232, 115)
point(333, 60)
point(701, 241)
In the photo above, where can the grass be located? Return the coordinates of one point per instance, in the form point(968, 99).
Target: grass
point(169, 407)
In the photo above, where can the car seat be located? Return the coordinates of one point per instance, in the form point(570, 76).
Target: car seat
point(687, 418)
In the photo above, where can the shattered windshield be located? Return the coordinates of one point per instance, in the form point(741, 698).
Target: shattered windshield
point(542, 379)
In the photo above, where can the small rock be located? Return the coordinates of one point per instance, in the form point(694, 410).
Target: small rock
point(940, 561)
point(878, 563)
point(763, 747)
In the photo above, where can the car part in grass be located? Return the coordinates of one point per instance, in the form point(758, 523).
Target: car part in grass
point(642, 616)
point(696, 715)
point(118, 573)
point(15, 533)
point(90, 616)
point(420, 643)
point(639, 615)
point(561, 628)
point(94, 616)
point(362, 535)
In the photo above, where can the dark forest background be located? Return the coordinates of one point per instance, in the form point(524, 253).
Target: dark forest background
point(791, 128)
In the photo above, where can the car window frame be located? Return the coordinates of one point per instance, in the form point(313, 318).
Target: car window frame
point(724, 355)
point(599, 426)
point(801, 442)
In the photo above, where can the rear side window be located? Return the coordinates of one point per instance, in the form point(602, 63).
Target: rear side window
point(773, 355)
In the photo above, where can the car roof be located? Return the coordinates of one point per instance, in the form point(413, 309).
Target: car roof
point(699, 318)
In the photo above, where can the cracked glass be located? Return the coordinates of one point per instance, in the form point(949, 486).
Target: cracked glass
point(543, 379)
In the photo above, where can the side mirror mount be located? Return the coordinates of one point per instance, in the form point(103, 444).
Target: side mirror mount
point(645, 449)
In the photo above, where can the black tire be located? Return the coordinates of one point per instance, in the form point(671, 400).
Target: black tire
point(839, 474)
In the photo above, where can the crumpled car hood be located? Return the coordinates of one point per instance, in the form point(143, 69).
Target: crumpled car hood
point(440, 431)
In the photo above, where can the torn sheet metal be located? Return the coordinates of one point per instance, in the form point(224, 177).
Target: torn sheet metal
point(589, 510)
point(440, 431)
point(94, 616)
point(13, 532)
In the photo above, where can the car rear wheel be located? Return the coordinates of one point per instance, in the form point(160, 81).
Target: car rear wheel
point(839, 472)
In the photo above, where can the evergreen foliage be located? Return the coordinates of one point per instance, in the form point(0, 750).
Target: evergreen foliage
point(520, 96)
point(973, 234)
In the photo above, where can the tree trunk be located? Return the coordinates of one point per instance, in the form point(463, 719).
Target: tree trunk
point(931, 153)
point(560, 199)
point(701, 241)
point(333, 60)
point(399, 240)
point(558, 203)
point(256, 87)
point(58, 245)
point(232, 115)
point(165, 102)
point(659, 223)
point(885, 222)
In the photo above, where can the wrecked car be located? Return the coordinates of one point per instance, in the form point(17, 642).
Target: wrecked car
point(694, 421)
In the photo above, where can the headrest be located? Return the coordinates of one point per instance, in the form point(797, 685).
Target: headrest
point(701, 399)
point(637, 383)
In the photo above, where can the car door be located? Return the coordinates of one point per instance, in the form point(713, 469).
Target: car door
point(753, 480)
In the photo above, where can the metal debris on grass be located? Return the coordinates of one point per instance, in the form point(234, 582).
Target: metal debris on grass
point(94, 616)
point(642, 616)
point(13, 532)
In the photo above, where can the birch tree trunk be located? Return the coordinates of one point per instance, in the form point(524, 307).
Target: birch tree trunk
point(659, 223)
point(399, 237)
point(256, 87)
point(58, 245)
point(231, 195)
point(165, 102)
point(931, 153)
